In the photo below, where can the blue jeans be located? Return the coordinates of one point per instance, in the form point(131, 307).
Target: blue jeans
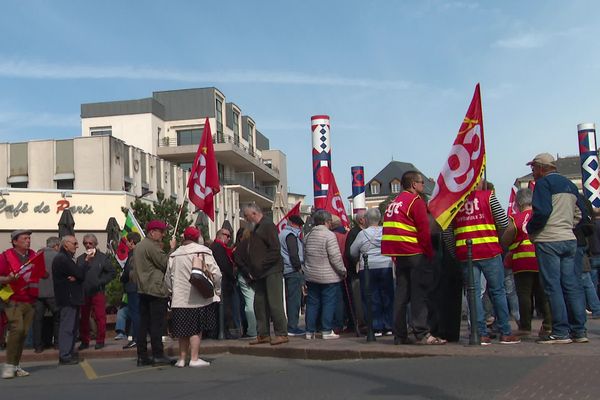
point(322, 297)
point(248, 295)
point(122, 317)
point(591, 295)
point(493, 271)
point(133, 307)
point(381, 283)
point(511, 293)
point(595, 263)
point(293, 298)
point(562, 284)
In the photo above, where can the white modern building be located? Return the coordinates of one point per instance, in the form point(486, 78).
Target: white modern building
point(170, 123)
point(135, 149)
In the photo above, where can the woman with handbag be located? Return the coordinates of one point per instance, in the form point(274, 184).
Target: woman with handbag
point(191, 272)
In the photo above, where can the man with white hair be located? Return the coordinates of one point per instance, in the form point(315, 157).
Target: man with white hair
point(100, 272)
point(556, 211)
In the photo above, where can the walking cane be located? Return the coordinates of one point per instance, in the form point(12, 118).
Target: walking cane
point(474, 339)
point(370, 333)
point(351, 307)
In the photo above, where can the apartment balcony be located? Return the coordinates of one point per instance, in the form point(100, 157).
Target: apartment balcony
point(249, 191)
point(229, 150)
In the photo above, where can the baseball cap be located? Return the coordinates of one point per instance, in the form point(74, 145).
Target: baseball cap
point(543, 159)
point(156, 224)
point(191, 233)
point(15, 234)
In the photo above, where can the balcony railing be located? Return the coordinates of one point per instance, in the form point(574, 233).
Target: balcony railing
point(221, 137)
point(247, 181)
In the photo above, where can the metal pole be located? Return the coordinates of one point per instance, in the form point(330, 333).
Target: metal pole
point(474, 339)
point(221, 320)
point(370, 333)
point(351, 307)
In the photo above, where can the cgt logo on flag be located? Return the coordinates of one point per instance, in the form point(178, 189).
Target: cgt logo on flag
point(199, 177)
point(463, 167)
point(334, 203)
point(204, 179)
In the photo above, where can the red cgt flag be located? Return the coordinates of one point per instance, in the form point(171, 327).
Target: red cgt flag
point(463, 168)
point(30, 273)
point(334, 203)
point(512, 200)
point(204, 178)
point(294, 211)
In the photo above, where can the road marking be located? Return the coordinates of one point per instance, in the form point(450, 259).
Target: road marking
point(90, 373)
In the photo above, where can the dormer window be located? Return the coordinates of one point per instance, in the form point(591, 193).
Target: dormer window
point(395, 186)
point(375, 188)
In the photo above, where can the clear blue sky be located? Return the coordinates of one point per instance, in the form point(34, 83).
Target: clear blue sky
point(396, 77)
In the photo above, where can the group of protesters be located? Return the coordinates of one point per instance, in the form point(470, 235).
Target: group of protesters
point(543, 258)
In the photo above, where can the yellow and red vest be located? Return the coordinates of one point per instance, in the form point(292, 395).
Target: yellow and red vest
point(475, 221)
point(29, 293)
point(523, 251)
point(399, 230)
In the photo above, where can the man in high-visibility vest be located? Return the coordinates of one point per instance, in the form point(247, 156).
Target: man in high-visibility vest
point(406, 236)
point(481, 219)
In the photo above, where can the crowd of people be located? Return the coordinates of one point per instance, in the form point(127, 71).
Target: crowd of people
point(262, 279)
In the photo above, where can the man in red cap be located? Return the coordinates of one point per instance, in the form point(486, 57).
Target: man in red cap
point(150, 264)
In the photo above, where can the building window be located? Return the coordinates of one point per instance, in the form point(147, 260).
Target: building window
point(186, 166)
point(18, 159)
point(221, 171)
point(187, 137)
point(65, 184)
point(127, 186)
point(236, 127)
point(374, 188)
point(395, 186)
point(101, 131)
point(19, 185)
point(219, 107)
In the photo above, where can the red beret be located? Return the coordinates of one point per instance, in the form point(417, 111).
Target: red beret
point(156, 224)
point(191, 233)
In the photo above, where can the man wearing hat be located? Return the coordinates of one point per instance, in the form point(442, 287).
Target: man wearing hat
point(556, 211)
point(150, 264)
point(19, 309)
point(292, 252)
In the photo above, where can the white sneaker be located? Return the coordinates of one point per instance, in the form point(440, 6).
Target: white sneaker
point(20, 372)
point(309, 335)
point(9, 371)
point(180, 363)
point(199, 363)
point(330, 335)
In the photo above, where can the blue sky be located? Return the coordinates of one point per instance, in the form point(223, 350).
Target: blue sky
point(396, 77)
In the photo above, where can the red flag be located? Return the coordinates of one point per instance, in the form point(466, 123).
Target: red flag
point(512, 200)
point(334, 203)
point(204, 178)
point(463, 168)
point(30, 272)
point(294, 211)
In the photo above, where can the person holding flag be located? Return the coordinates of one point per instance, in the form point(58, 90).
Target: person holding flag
point(20, 272)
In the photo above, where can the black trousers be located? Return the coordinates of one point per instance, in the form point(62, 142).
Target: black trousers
point(40, 307)
point(67, 333)
point(414, 281)
point(153, 320)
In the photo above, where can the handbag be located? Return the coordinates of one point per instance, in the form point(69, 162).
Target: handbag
point(201, 279)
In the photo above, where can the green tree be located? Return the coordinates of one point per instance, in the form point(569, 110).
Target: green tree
point(164, 209)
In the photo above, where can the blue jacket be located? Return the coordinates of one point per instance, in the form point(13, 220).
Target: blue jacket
point(556, 209)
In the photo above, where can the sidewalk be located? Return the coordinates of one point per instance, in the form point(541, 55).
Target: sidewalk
point(348, 347)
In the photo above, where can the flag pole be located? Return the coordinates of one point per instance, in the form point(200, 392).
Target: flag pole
point(178, 218)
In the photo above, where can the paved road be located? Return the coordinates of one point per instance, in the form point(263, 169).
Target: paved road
point(247, 377)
